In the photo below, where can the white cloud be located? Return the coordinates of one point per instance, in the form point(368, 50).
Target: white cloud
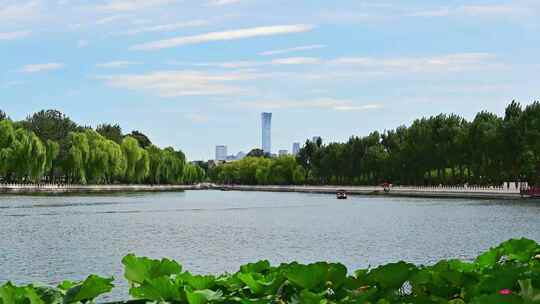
point(35, 68)
point(225, 35)
point(111, 19)
point(182, 83)
point(13, 35)
point(82, 43)
point(294, 49)
point(116, 64)
point(21, 10)
point(230, 64)
point(197, 118)
point(133, 5)
point(167, 27)
point(296, 61)
point(504, 10)
point(358, 108)
point(222, 2)
point(446, 63)
point(10, 84)
point(318, 103)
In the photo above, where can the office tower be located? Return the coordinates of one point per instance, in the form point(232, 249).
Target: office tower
point(240, 155)
point(221, 152)
point(295, 148)
point(266, 124)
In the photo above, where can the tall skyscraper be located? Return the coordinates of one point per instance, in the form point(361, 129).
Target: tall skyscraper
point(266, 124)
point(295, 148)
point(221, 152)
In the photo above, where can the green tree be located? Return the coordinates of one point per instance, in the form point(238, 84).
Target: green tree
point(112, 132)
point(141, 138)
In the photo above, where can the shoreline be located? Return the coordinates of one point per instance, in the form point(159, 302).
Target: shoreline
point(67, 189)
point(428, 192)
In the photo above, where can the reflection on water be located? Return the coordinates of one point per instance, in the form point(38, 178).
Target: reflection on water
point(50, 238)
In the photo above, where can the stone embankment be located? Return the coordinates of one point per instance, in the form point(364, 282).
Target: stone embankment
point(440, 192)
point(61, 188)
point(436, 192)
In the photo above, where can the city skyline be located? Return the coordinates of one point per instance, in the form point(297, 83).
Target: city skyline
point(221, 151)
point(190, 73)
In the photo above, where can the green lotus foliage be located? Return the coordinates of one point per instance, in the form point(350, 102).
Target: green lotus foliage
point(66, 293)
point(508, 273)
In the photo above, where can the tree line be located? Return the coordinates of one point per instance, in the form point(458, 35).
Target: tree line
point(49, 147)
point(259, 170)
point(441, 149)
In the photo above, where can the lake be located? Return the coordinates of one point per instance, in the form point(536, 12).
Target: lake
point(51, 238)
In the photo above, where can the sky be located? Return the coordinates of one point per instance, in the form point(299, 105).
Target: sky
point(195, 74)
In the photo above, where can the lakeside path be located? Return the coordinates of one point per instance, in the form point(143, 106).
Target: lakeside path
point(435, 192)
point(60, 189)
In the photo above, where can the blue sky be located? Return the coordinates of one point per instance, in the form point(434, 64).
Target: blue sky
point(193, 74)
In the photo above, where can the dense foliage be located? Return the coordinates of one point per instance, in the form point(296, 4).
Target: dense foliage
point(48, 146)
point(283, 170)
point(442, 149)
point(509, 273)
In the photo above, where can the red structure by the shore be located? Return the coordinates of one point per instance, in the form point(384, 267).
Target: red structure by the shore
point(531, 192)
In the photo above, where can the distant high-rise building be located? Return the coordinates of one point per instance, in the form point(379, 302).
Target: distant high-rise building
point(295, 148)
point(240, 155)
point(266, 125)
point(283, 153)
point(221, 152)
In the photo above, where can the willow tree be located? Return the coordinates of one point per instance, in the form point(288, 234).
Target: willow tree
point(77, 157)
point(172, 171)
point(155, 164)
point(7, 138)
point(53, 150)
point(137, 161)
point(193, 174)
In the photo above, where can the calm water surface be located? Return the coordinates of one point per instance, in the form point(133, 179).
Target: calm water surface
point(50, 238)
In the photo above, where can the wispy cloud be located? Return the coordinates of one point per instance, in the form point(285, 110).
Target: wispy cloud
point(445, 63)
point(222, 2)
point(253, 64)
point(133, 5)
point(35, 68)
point(19, 10)
point(228, 64)
point(111, 19)
point(117, 64)
point(319, 103)
point(82, 43)
point(225, 35)
point(475, 11)
point(197, 118)
point(14, 35)
point(167, 27)
point(10, 84)
point(294, 49)
point(296, 60)
point(181, 83)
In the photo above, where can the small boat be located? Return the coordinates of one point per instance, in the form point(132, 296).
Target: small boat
point(341, 194)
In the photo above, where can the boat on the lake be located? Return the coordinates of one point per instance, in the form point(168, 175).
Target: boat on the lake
point(341, 194)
